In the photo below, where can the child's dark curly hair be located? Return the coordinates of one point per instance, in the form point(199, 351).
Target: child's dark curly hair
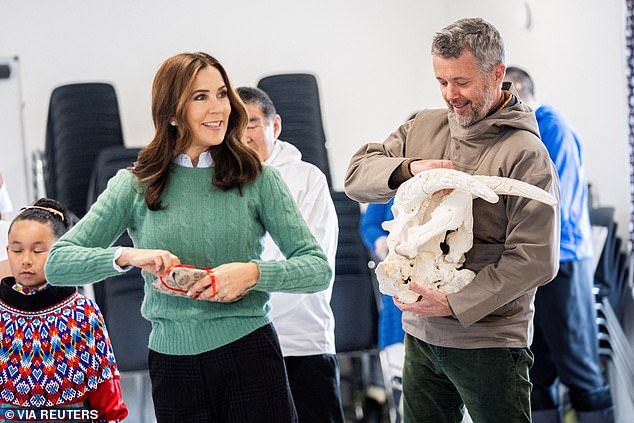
point(50, 212)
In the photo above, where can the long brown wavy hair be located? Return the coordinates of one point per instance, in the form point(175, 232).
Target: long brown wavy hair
point(235, 163)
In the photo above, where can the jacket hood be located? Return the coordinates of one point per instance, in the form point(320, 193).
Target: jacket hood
point(283, 153)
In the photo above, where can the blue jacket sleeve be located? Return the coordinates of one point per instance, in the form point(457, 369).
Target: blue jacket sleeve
point(371, 221)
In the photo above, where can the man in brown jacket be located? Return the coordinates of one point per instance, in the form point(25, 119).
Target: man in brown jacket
point(471, 347)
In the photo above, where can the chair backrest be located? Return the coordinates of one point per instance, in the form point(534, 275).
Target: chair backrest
point(354, 295)
point(612, 271)
point(120, 297)
point(606, 271)
point(82, 120)
point(296, 98)
point(129, 331)
point(107, 163)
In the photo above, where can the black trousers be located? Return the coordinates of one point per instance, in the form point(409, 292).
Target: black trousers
point(314, 381)
point(241, 382)
point(566, 342)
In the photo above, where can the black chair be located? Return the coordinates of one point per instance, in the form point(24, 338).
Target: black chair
point(614, 345)
point(354, 298)
point(129, 331)
point(108, 162)
point(82, 120)
point(354, 302)
point(296, 98)
point(611, 272)
point(120, 297)
point(610, 289)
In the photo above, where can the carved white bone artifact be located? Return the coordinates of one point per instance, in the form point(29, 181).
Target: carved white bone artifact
point(428, 220)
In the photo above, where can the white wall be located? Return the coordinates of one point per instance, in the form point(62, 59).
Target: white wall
point(371, 58)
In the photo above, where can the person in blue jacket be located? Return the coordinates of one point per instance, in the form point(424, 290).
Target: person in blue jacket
point(565, 343)
point(374, 238)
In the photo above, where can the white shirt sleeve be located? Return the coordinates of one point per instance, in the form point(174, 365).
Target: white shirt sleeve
point(318, 210)
point(117, 254)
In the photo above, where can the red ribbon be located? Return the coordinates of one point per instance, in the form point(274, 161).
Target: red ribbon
point(187, 266)
point(212, 277)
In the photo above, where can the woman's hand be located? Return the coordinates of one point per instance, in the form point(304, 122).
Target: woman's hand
point(233, 280)
point(153, 261)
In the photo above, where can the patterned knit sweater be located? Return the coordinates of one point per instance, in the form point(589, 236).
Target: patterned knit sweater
point(205, 227)
point(54, 348)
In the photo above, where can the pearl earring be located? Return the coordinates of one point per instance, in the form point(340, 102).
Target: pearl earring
point(173, 123)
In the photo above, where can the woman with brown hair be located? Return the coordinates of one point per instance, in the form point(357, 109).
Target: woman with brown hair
point(198, 196)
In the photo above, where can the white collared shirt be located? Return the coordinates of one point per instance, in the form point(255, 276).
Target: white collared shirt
point(204, 160)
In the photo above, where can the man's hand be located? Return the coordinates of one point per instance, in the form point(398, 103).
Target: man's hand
point(432, 303)
point(418, 166)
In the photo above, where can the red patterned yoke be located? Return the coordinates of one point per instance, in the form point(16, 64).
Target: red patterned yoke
point(54, 356)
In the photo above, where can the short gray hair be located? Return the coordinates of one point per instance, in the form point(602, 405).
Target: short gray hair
point(474, 34)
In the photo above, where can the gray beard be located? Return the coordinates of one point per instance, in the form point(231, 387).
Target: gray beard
point(462, 121)
point(472, 118)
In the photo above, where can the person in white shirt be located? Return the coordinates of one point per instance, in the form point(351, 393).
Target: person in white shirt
point(4, 263)
point(304, 322)
point(6, 206)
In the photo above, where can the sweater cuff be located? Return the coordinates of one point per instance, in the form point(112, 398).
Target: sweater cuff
point(400, 174)
point(269, 274)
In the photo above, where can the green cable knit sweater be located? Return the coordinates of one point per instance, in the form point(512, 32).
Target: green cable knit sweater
point(204, 226)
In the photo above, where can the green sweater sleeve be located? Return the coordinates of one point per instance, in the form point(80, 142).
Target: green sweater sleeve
point(306, 268)
point(84, 254)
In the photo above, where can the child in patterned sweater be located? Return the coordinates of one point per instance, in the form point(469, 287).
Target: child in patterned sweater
point(55, 352)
